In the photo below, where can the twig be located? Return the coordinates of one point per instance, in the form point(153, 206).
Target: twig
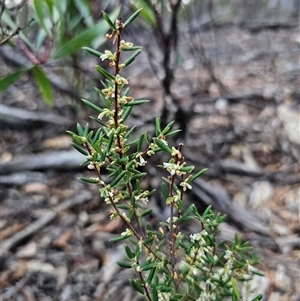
point(14, 33)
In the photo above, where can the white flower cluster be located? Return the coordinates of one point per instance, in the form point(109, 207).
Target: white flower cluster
point(173, 168)
point(207, 296)
point(163, 296)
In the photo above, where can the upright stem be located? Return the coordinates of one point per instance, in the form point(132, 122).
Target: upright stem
point(117, 71)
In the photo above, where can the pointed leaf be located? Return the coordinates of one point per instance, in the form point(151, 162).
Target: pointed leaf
point(118, 178)
point(132, 58)
point(9, 79)
point(147, 13)
point(234, 287)
point(137, 286)
point(92, 51)
point(80, 149)
point(132, 17)
point(85, 37)
point(124, 265)
point(136, 102)
point(44, 84)
point(41, 16)
point(104, 72)
point(257, 298)
point(92, 106)
point(109, 21)
point(162, 145)
point(87, 180)
point(197, 175)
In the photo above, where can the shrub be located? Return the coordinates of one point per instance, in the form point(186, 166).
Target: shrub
point(169, 264)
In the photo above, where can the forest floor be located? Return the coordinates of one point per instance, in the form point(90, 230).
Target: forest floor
point(54, 230)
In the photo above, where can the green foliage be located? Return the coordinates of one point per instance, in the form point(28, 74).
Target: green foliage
point(169, 264)
point(63, 27)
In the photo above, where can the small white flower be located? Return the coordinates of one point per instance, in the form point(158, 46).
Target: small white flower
point(185, 185)
point(91, 166)
point(128, 232)
point(106, 55)
point(228, 254)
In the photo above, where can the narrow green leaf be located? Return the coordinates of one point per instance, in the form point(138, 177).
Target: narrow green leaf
point(128, 251)
point(187, 168)
point(147, 13)
point(79, 129)
point(92, 51)
point(139, 147)
point(132, 58)
point(109, 21)
point(173, 133)
point(84, 9)
point(110, 141)
point(103, 72)
point(50, 5)
point(87, 180)
point(129, 132)
point(80, 149)
point(151, 274)
point(9, 79)
point(168, 127)
point(61, 20)
point(133, 142)
point(78, 139)
point(162, 145)
point(148, 266)
point(136, 102)
point(86, 130)
point(92, 106)
point(235, 290)
point(99, 121)
point(197, 175)
point(126, 113)
point(154, 294)
point(137, 176)
point(147, 137)
point(96, 136)
point(123, 264)
point(165, 190)
point(130, 48)
point(41, 16)
point(132, 17)
point(137, 286)
point(257, 298)
point(84, 38)
point(118, 178)
point(145, 212)
point(157, 126)
point(44, 84)
point(206, 212)
point(119, 238)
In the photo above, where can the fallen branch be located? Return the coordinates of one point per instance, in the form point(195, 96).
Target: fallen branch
point(221, 202)
point(19, 118)
point(59, 160)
